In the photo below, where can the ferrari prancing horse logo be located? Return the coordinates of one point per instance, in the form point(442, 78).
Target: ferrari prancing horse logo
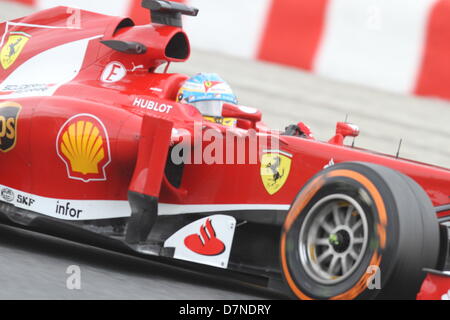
point(13, 48)
point(275, 169)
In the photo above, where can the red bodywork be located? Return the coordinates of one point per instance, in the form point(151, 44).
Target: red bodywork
point(138, 112)
point(34, 166)
point(435, 287)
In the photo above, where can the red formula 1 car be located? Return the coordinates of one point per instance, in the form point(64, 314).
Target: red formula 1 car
point(91, 137)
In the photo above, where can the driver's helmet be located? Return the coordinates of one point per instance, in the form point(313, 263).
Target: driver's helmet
point(207, 92)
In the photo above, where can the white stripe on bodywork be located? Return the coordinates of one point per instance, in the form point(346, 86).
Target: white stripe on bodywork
point(374, 42)
point(166, 209)
point(109, 209)
point(39, 26)
point(90, 209)
point(46, 71)
point(110, 7)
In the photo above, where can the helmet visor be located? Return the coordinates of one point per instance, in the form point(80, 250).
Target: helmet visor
point(212, 108)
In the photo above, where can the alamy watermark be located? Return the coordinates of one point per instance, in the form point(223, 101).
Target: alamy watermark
point(374, 280)
point(374, 21)
point(73, 281)
point(74, 19)
point(215, 146)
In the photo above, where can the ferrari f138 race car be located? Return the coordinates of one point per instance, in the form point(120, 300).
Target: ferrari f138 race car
point(96, 146)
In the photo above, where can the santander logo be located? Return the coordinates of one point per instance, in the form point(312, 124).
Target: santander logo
point(206, 244)
point(206, 241)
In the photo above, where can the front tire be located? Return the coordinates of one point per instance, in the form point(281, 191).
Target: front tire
point(359, 231)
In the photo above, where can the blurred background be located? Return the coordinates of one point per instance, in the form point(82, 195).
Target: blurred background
point(383, 63)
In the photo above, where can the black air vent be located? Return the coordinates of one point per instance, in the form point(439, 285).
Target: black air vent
point(125, 23)
point(178, 47)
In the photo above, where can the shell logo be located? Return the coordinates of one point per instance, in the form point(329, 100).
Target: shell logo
point(83, 145)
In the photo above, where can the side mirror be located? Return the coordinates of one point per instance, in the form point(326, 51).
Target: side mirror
point(344, 130)
point(241, 112)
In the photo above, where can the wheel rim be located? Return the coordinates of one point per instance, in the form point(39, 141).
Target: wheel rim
point(333, 239)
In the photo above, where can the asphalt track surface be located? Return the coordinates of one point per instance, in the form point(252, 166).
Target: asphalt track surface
point(33, 266)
